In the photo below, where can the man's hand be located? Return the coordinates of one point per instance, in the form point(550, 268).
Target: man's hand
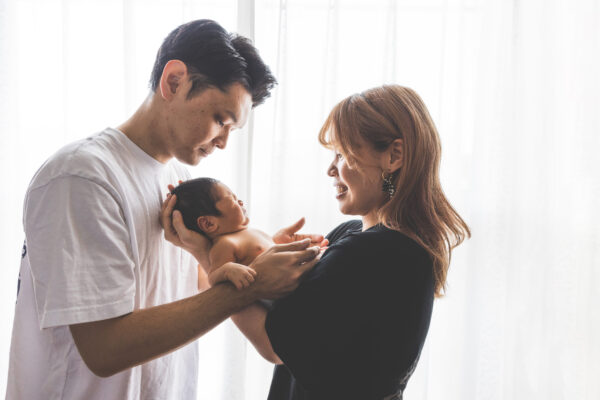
point(176, 232)
point(280, 268)
point(288, 235)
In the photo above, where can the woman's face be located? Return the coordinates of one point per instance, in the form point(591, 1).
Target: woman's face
point(358, 187)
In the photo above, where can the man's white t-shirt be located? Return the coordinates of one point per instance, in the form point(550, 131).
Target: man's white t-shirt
point(95, 250)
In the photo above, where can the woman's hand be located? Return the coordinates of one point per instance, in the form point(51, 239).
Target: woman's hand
point(288, 235)
point(176, 232)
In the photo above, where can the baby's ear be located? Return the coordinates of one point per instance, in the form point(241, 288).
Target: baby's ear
point(207, 224)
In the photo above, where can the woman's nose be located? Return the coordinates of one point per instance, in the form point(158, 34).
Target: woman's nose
point(332, 169)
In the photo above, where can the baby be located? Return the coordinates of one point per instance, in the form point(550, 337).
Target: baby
point(212, 209)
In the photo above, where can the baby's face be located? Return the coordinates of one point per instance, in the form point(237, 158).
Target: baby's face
point(233, 214)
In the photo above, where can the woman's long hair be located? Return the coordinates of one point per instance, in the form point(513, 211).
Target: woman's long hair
point(419, 208)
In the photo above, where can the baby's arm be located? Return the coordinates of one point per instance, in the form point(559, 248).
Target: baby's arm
point(223, 266)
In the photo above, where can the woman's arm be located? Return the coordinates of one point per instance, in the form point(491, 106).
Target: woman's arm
point(251, 320)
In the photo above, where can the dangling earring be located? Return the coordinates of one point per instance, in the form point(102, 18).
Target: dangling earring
point(388, 185)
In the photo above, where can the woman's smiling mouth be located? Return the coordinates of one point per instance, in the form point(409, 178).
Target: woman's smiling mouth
point(341, 190)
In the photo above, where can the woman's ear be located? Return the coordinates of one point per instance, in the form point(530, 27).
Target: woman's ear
point(172, 78)
point(207, 224)
point(395, 155)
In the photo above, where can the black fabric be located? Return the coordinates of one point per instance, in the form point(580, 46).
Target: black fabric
point(355, 327)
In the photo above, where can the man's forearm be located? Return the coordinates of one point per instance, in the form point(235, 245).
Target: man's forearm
point(111, 346)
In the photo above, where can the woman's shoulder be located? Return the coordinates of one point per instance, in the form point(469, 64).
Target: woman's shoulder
point(386, 237)
point(379, 249)
point(344, 230)
point(377, 238)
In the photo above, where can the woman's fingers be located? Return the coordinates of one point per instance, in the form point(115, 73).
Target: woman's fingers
point(296, 226)
point(314, 238)
point(293, 246)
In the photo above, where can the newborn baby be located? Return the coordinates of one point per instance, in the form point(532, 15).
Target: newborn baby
point(212, 209)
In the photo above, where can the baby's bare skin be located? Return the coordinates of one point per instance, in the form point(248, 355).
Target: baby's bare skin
point(232, 252)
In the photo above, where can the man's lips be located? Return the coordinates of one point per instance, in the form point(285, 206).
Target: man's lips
point(205, 153)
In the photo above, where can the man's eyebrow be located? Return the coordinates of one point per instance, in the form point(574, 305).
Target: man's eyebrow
point(232, 115)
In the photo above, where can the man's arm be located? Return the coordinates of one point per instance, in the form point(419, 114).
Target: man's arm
point(113, 345)
point(110, 346)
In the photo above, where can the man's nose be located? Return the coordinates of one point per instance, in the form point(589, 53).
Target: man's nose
point(221, 140)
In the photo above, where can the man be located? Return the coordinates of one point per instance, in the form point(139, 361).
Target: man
point(107, 308)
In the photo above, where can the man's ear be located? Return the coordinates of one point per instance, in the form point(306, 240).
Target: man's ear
point(172, 78)
point(207, 224)
point(395, 156)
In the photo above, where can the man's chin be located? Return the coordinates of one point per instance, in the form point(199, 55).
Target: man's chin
point(191, 161)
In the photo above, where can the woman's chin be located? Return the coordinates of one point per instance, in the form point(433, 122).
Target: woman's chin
point(344, 209)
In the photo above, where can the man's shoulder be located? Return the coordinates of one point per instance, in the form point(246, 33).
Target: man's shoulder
point(86, 158)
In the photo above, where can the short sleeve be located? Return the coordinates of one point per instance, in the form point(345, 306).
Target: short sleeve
point(79, 252)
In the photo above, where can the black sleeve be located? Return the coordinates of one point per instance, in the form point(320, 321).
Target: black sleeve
point(343, 229)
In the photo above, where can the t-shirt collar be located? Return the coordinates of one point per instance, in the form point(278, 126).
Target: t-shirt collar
point(136, 150)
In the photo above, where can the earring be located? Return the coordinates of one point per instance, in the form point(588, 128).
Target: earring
point(388, 185)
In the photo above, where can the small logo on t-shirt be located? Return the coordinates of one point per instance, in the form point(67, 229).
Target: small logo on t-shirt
point(23, 253)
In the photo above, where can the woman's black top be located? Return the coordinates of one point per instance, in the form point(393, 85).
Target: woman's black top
point(356, 325)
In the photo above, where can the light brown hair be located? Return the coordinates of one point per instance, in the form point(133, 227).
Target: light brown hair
point(419, 208)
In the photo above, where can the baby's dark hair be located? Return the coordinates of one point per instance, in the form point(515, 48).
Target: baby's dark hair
point(196, 198)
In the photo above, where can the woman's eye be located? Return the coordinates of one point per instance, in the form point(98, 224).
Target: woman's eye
point(338, 156)
point(221, 124)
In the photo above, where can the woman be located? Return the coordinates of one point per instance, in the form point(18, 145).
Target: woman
point(355, 327)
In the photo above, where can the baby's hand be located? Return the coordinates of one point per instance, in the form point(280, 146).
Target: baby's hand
point(240, 275)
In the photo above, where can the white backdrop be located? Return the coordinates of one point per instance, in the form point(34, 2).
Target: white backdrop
point(513, 87)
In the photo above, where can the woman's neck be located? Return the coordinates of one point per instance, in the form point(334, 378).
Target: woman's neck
point(369, 221)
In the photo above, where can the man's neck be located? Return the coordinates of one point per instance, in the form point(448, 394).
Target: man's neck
point(144, 128)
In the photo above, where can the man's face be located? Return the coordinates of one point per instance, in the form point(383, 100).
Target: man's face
point(198, 125)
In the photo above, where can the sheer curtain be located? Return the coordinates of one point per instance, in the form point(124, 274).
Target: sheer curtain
point(514, 90)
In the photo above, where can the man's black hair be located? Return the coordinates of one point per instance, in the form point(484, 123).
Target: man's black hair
point(196, 198)
point(214, 58)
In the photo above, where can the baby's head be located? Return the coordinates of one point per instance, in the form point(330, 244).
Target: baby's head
point(209, 207)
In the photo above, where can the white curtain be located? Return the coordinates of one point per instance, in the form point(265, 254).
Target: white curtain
point(512, 85)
